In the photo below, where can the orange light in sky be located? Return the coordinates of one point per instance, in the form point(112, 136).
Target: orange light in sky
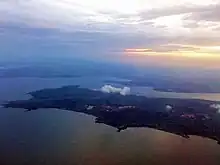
point(202, 52)
point(137, 50)
point(193, 56)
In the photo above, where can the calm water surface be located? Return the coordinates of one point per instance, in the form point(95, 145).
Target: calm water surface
point(55, 137)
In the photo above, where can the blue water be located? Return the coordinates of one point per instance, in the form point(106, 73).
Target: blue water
point(50, 136)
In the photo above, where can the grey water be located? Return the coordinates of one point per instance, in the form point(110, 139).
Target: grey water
point(51, 136)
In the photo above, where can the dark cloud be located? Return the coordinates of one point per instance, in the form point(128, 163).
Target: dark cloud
point(194, 16)
point(207, 13)
point(76, 34)
point(169, 11)
point(198, 40)
point(80, 41)
point(193, 12)
point(191, 24)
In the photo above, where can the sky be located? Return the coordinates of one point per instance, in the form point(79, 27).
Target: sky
point(178, 33)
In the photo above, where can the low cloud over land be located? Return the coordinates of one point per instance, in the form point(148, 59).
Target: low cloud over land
point(216, 106)
point(110, 89)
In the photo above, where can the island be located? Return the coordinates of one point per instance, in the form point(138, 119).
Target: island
point(183, 117)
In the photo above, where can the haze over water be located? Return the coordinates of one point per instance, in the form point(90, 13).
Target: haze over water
point(50, 136)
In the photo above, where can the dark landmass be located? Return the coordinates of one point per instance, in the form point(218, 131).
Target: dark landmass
point(164, 85)
point(183, 117)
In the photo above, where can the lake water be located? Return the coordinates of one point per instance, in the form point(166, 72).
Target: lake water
point(55, 137)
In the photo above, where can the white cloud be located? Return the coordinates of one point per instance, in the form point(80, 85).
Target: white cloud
point(173, 20)
point(125, 91)
point(122, 15)
point(216, 106)
point(89, 107)
point(169, 107)
point(110, 89)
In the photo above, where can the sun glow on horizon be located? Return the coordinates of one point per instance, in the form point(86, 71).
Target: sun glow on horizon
point(175, 55)
point(182, 51)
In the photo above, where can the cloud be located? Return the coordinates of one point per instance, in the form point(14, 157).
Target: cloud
point(89, 107)
point(169, 107)
point(108, 16)
point(207, 13)
point(216, 106)
point(107, 27)
point(110, 89)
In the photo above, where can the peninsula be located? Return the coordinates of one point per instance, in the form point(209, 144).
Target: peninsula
point(183, 117)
